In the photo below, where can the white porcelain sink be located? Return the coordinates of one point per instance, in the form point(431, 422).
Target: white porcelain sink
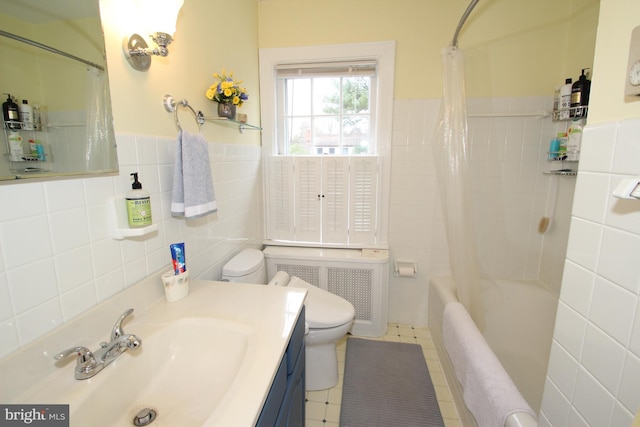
point(190, 363)
point(207, 360)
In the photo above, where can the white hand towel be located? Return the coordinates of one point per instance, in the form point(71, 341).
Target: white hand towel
point(193, 194)
point(488, 391)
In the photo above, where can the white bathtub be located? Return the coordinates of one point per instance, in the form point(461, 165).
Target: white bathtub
point(519, 319)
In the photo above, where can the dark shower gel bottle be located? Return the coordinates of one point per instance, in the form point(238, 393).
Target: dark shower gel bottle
point(580, 95)
point(10, 113)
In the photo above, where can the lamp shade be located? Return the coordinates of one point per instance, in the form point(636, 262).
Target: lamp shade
point(161, 15)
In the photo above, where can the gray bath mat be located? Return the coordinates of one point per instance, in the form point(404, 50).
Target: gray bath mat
point(387, 384)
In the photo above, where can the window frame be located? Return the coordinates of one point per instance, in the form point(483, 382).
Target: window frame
point(384, 55)
point(318, 70)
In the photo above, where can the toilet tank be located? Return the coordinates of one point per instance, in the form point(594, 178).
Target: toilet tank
point(360, 276)
point(246, 267)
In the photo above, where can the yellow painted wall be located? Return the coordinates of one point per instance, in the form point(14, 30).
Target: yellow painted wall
point(20, 75)
point(210, 35)
point(617, 19)
point(512, 48)
point(46, 78)
point(62, 78)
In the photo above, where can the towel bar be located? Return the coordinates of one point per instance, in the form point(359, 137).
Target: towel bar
point(172, 107)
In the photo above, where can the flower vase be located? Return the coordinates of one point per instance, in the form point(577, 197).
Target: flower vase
point(227, 110)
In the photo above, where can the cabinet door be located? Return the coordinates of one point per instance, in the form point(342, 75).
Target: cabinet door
point(271, 409)
point(335, 200)
point(363, 184)
point(280, 215)
point(292, 413)
point(308, 199)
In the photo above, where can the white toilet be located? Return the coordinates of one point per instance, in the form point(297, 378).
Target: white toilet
point(328, 316)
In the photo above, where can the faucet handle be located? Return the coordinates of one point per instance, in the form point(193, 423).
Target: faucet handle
point(85, 357)
point(117, 331)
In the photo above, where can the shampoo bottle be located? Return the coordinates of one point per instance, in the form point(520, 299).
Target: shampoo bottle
point(138, 205)
point(565, 99)
point(574, 140)
point(580, 95)
point(33, 147)
point(16, 153)
point(554, 149)
point(26, 115)
point(562, 151)
point(40, 149)
point(10, 113)
point(37, 119)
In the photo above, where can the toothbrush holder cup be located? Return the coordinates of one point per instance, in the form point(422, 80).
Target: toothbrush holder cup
point(176, 286)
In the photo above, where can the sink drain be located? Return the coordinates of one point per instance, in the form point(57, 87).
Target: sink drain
point(145, 417)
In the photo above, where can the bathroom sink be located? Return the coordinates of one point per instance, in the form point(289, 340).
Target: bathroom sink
point(207, 360)
point(190, 363)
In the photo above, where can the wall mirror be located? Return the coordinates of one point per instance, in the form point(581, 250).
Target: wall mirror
point(53, 56)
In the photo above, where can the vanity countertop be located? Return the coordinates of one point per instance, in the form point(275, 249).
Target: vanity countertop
point(266, 315)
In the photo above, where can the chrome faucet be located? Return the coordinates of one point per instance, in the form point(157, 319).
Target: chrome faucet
point(89, 364)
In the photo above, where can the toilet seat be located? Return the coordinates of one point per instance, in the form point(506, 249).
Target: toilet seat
point(323, 309)
point(244, 263)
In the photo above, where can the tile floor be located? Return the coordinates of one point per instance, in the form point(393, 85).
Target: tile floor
point(323, 407)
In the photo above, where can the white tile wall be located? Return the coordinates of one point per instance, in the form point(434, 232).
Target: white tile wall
point(508, 158)
point(57, 258)
point(594, 370)
point(416, 229)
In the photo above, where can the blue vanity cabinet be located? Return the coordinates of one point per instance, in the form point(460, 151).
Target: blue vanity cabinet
point(284, 406)
point(292, 409)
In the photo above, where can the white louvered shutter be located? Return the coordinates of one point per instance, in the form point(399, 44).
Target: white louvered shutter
point(308, 195)
point(335, 200)
point(281, 201)
point(362, 202)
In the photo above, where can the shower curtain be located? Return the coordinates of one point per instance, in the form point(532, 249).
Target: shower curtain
point(98, 155)
point(451, 154)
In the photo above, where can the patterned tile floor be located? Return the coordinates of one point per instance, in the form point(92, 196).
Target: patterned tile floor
point(323, 407)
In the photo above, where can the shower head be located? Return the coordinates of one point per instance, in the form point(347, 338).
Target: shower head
point(466, 14)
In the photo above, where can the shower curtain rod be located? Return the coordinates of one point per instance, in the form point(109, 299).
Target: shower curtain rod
point(538, 114)
point(465, 15)
point(49, 49)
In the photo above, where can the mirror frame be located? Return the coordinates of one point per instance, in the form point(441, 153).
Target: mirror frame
point(79, 148)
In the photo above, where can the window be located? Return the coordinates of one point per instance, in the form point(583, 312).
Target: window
point(326, 143)
point(327, 108)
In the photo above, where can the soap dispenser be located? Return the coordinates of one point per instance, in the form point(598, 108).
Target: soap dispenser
point(138, 205)
point(580, 95)
point(10, 113)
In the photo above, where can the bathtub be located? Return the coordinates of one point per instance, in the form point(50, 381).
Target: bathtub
point(519, 318)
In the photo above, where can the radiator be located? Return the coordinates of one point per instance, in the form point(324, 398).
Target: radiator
point(360, 277)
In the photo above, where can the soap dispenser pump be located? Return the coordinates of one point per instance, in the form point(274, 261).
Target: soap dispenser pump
point(580, 95)
point(138, 205)
point(10, 113)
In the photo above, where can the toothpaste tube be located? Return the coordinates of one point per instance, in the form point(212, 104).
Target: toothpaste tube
point(177, 257)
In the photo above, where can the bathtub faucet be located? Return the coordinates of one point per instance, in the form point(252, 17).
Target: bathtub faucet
point(88, 363)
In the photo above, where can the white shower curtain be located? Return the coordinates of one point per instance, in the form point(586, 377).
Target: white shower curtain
point(451, 153)
point(98, 154)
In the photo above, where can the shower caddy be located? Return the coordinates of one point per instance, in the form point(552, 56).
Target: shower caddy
point(28, 162)
point(565, 115)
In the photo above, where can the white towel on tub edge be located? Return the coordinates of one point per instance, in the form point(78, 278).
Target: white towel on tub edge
point(488, 391)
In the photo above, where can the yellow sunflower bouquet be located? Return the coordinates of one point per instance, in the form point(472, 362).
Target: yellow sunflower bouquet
point(226, 90)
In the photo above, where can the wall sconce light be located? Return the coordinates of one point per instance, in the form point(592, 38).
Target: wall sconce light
point(161, 16)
